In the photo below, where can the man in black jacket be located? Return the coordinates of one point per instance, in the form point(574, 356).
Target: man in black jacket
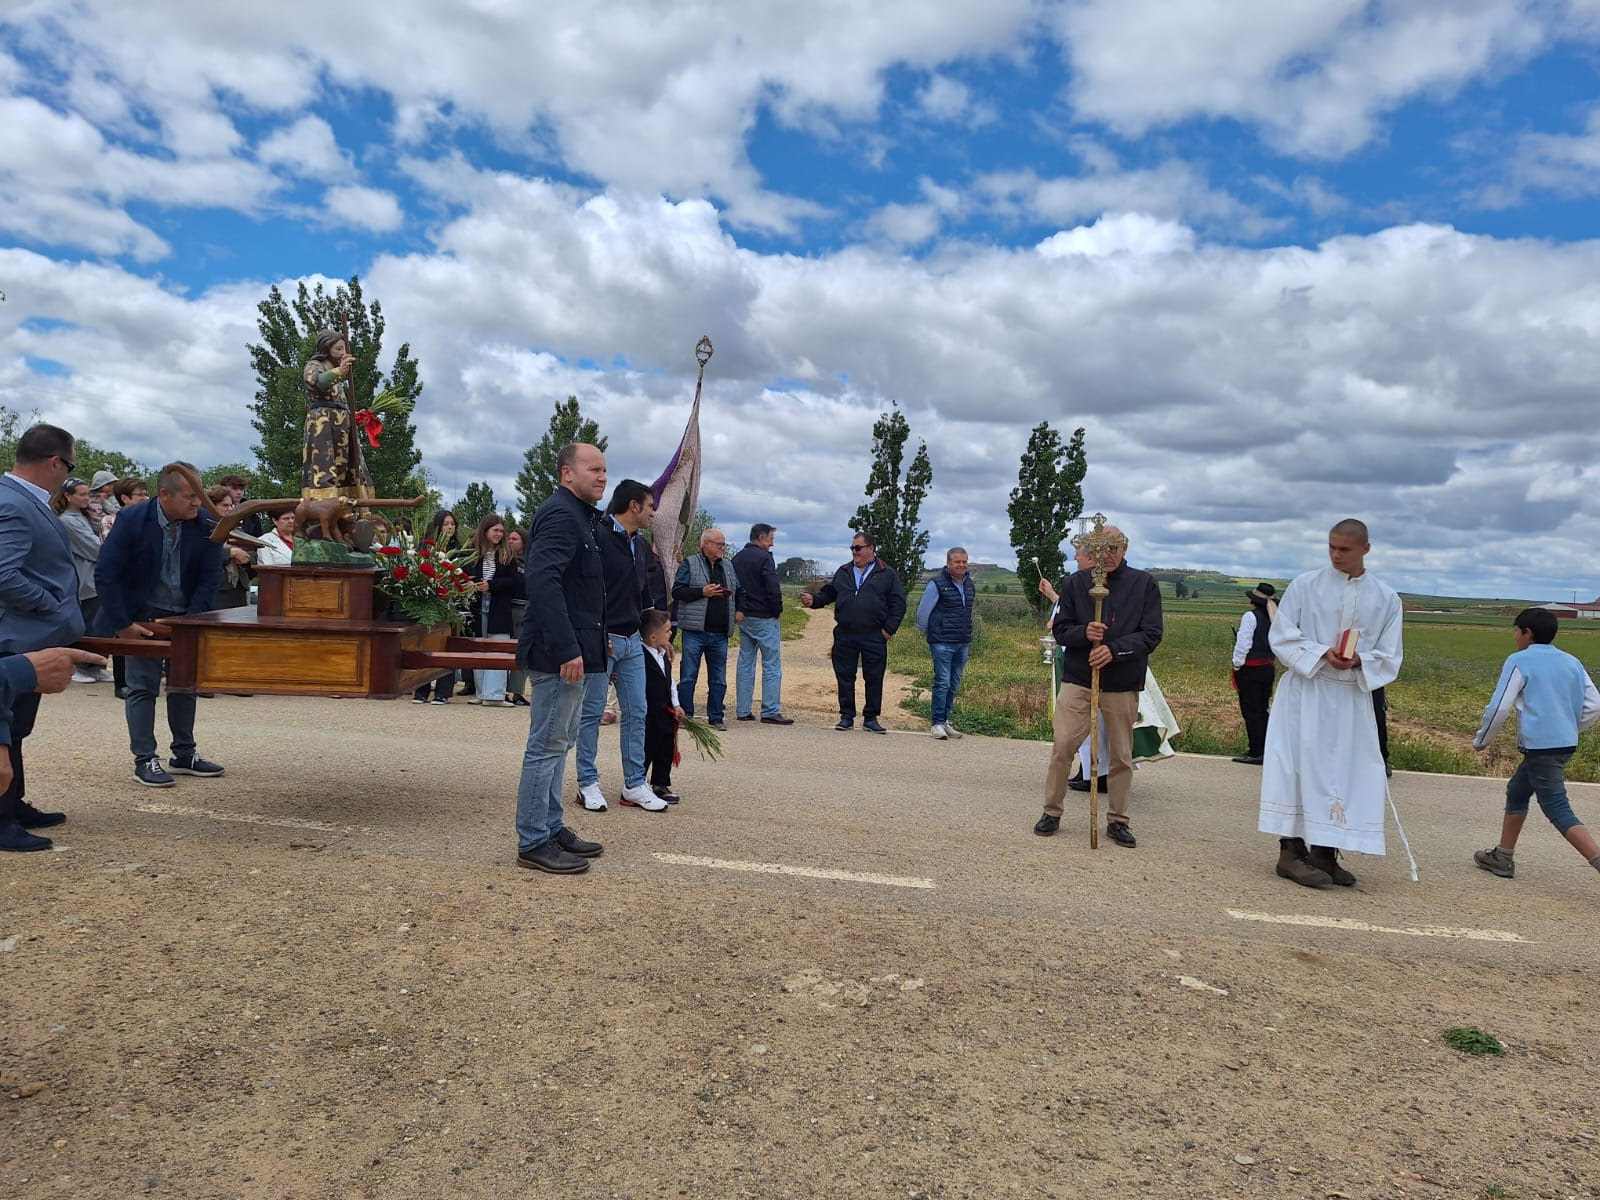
point(870, 604)
point(563, 639)
point(760, 599)
point(1119, 644)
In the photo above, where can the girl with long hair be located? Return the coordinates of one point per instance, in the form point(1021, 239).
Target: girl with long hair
point(498, 584)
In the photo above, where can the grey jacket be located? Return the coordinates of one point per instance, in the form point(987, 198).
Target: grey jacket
point(694, 572)
point(85, 549)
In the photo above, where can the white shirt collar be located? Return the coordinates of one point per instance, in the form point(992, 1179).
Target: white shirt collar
point(44, 496)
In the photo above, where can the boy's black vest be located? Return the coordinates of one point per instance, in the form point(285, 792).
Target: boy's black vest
point(951, 618)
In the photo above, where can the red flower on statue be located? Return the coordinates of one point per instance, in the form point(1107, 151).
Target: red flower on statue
point(391, 551)
point(427, 569)
point(401, 573)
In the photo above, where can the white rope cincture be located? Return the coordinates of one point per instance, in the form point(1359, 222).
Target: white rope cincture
point(1404, 841)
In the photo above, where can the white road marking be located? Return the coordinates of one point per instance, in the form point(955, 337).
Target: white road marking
point(723, 864)
point(211, 814)
point(1439, 931)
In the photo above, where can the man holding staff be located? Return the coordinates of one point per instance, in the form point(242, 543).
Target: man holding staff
point(1105, 654)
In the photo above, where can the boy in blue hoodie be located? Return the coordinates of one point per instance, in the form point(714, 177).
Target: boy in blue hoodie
point(1554, 700)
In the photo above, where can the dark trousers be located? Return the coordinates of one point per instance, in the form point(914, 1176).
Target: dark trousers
point(872, 651)
point(659, 738)
point(1380, 710)
point(23, 711)
point(443, 687)
point(1255, 694)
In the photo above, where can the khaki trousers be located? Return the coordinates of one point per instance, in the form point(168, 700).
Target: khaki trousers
point(1120, 710)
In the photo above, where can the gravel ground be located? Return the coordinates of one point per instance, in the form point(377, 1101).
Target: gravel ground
point(321, 977)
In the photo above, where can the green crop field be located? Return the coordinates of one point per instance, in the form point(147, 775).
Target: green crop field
point(1451, 664)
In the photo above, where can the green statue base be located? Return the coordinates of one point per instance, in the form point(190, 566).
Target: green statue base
point(309, 552)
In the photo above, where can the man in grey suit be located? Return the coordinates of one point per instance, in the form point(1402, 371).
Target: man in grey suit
point(38, 601)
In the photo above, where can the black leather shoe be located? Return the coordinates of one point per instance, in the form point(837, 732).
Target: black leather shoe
point(846, 723)
point(573, 844)
point(871, 726)
point(1250, 760)
point(30, 817)
point(14, 837)
point(1121, 834)
point(552, 858)
point(746, 717)
point(720, 726)
point(1388, 771)
point(1046, 825)
point(780, 719)
point(1082, 785)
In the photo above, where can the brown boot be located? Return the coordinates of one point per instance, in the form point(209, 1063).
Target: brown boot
point(1293, 864)
point(1326, 859)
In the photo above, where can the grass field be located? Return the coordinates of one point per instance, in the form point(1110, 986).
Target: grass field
point(1451, 664)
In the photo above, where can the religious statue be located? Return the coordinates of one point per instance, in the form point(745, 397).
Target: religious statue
point(333, 465)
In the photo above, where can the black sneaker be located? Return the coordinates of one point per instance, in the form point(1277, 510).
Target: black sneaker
point(573, 844)
point(846, 723)
point(151, 773)
point(871, 726)
point(720, 726)
point(30, 817)
point(14, 837)
point(194, 765)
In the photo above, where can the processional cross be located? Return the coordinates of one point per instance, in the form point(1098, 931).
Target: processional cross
point(1099, 543)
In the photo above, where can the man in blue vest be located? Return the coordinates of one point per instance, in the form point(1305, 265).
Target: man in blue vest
point(870, 606)
point(945, 615)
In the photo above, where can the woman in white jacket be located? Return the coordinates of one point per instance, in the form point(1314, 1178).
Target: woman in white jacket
point(277, 544)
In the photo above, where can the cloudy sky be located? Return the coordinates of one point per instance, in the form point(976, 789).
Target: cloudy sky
point(1286, 260)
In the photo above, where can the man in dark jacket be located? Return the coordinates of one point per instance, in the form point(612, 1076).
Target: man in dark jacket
point(760, 599)
point(869, 604)
point(159, 561)
point(1119, 644)
point(623, 554)
point(1254, 668)
point(563, 639)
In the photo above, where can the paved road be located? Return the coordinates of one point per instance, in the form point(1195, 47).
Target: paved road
point(411, 782)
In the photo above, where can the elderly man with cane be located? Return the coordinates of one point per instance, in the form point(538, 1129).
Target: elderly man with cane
point(1108, 622)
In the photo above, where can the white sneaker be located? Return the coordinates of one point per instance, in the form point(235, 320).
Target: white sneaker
point(104, 677)
point(952, 730)
point(593, 798)
point(937, 732)
point(645, 798)
point(81, 677)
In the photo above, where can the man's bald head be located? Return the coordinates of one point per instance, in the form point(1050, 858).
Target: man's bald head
point(1351, 528)
point(583, 471)
point(713, 544)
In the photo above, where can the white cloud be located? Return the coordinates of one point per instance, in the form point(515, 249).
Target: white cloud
point(1438, 383)
point(1315, 75)
point(367, 208)
point(307, 148)
point(1563, 164)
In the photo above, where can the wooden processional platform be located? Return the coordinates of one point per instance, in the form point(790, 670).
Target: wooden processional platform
point(316, 631)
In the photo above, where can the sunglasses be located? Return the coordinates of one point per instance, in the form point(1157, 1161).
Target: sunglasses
point(855, 548)
point(68, 463)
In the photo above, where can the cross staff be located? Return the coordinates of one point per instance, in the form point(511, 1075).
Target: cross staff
point(1097, 542)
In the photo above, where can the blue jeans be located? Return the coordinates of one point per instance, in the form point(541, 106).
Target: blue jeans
point(949, 664)
point(759, 633)
point(553, 712)
point(144, 685)
point(491, 685)
point(714, 648)
point(1539, 774)
point(627, 664)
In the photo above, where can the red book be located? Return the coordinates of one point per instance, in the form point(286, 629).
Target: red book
point(1346, 646)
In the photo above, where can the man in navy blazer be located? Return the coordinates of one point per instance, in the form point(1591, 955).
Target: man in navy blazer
point(38, 601)
point(158, 561)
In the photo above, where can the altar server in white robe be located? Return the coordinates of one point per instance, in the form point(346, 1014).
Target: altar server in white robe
point(1323, 785)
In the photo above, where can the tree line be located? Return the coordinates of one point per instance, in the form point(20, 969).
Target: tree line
point(1043, 506)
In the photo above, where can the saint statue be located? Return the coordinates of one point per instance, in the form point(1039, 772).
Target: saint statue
point(333, 465)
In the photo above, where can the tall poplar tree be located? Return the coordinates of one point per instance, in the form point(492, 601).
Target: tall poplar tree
point(289, 331)
point(1048, 498)
point(894, 500)
point(540, 476)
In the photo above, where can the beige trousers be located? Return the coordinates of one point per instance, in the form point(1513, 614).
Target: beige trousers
point(1120, 710)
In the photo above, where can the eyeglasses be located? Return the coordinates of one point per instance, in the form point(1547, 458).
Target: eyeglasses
point(68, 463)
point(853, 549)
